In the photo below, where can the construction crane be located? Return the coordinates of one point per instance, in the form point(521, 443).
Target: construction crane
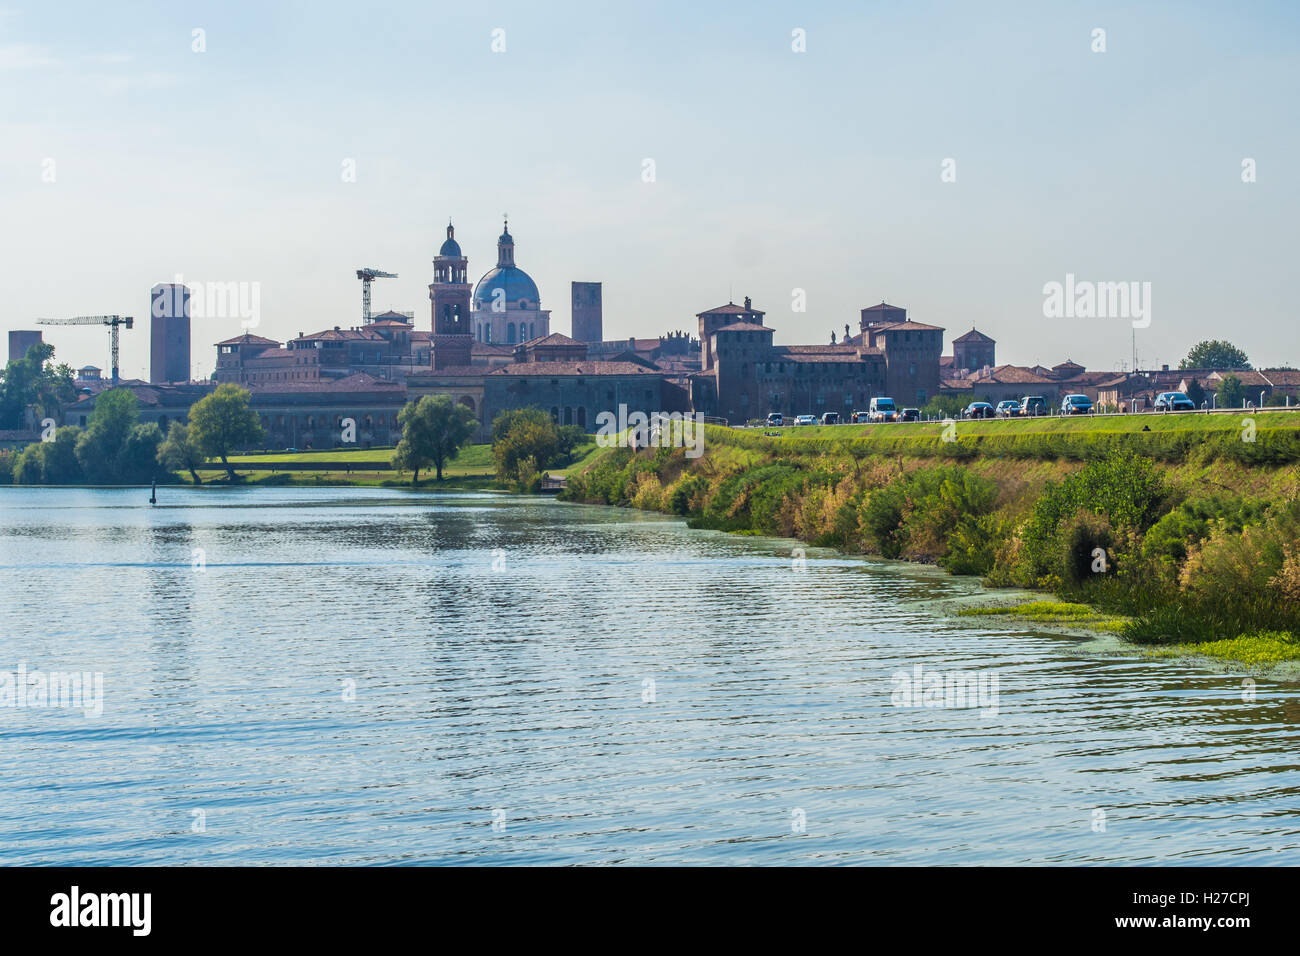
point(365, 275)
point(112, 321)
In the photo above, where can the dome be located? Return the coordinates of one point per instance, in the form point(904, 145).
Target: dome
point(516, 283)
point(450, 248)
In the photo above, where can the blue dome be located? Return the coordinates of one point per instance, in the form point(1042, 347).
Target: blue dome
point(517, 284)
point(450, 248)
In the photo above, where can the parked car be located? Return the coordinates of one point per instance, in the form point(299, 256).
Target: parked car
point(910, 415)
point(1174, 402)
point(1007, 408)
point(776, 419)
point(882, 410)
point(806, 420)
point(830, 418)
point(1076, 405)
point(1033, 405)
point(977, 410)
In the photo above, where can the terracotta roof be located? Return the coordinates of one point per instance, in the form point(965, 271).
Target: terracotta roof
point(491, 348)
point(555, 338)
point(974, 335)
point(908, 326)
point(248, 338)
point(358, 382)
point(741, 327)
point(884, 306)
point(539, 369)
point(1012, 375)
point(730, 309)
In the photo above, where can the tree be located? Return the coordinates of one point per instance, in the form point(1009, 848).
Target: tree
point(101, 447)
point(524, 441)
point(178, 452)
point(433, 431)
point(223, 422)
point(139, 461)
point(50, 463)
point(1216, 354)
point(34, 380)
point(1231, 392)
point(944, 406)
point(1196, 393)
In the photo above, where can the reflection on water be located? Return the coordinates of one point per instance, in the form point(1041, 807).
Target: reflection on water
point(369, 676)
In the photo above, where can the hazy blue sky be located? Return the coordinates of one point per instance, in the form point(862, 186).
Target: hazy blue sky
point(775, 170)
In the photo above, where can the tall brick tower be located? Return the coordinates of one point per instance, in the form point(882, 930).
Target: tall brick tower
point(449, 301)
point(169, 333)
point(586, 326)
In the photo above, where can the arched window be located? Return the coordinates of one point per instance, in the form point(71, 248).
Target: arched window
point(555, 414)
point(510, 332)
point(532, 331)
point(568, 415)
point(582, 417)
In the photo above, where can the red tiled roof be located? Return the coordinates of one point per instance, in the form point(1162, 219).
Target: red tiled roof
point(555, 338)
point(974, 335)
point(730, 309)
point(248, 338)
point(570, 368)
point(739, 327)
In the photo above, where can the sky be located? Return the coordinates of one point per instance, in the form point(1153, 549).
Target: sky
point(950, 158)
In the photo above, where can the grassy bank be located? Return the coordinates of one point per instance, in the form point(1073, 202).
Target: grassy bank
point(472, 468)
point(1182, 536)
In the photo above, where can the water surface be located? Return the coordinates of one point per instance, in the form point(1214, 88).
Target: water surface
point(369, 676)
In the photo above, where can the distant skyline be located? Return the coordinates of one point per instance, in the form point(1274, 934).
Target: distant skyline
point(129, 158)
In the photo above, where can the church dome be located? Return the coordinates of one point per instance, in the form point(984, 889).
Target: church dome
point(520, 289)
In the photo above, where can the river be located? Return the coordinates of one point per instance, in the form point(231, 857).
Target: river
point(371, 676)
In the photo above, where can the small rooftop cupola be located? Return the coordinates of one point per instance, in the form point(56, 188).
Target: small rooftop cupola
point(450, 247)
point(505, 249)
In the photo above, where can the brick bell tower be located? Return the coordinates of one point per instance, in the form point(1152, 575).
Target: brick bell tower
point(449, 301)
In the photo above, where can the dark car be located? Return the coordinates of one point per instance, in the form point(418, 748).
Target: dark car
point(1033, 405)
point(1076, 405)
point(910, 415)
point(1174, 402)
point(1008, 408)
point(830, 418)
point(978, 410)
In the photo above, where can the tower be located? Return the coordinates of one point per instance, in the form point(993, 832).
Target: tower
point(449, 305)
point(169, 333)
point(586, 325)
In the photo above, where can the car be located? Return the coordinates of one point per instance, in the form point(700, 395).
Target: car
point(1033, 405)
point(910, 415)
point(858, 417)
point(775, 419)
point(1007, 408)
point(830, 418)
point(806, 420)
point(1174, 402)
point(882, 409)
point(977, 410)
point(1076, 405)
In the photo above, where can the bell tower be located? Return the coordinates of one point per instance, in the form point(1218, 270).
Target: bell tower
point(449, 302)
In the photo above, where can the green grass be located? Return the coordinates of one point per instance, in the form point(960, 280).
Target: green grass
point(1262, 648)
point(1116, 424)
point(1052, 612)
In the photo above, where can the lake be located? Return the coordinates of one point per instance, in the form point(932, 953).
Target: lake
point(371, 676)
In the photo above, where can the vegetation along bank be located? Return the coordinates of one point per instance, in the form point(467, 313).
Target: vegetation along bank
point(1182, 528)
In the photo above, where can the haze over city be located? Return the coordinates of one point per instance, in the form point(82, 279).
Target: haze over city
point(773, 169)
